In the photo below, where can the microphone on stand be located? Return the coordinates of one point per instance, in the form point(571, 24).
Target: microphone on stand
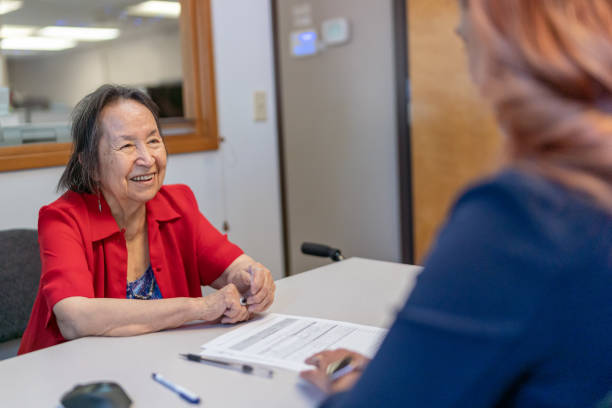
point(325, 251)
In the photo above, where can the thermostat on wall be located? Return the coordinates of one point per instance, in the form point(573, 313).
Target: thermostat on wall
point(304, 43)
point(335, 31)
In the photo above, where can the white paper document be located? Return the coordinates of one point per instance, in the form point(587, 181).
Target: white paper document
point(285, 341)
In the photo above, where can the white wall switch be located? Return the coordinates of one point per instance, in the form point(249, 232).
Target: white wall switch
point(260, 111)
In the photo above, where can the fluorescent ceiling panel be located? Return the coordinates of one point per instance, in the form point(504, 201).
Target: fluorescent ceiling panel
point(8, 30)
point(80, 33)
point(168, 9)
point(6, 6)
point(36, 44)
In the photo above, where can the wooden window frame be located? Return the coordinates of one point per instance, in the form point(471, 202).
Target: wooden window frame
point(198, 99)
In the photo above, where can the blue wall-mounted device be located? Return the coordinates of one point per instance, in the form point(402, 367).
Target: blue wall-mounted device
point(304, 43)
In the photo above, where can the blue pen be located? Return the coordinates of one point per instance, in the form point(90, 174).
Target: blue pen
point(185, 394)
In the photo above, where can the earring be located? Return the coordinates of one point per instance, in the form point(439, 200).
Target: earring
point(99, 203)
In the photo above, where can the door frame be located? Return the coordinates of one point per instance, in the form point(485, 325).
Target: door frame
point(404, 151)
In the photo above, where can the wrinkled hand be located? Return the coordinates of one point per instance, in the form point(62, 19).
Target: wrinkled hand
point(257, 286)
point(225, 304)
point(322, 360)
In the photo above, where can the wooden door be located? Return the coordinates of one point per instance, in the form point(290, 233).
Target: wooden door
point(454, 139)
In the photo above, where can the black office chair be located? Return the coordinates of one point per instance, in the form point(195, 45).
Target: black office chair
point(19, 278)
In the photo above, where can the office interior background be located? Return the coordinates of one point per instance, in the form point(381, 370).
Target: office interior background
point(362, 145)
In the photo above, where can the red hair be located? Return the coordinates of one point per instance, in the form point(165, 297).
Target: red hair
point(546, 68)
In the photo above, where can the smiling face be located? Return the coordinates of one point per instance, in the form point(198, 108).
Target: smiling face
point(131, 154)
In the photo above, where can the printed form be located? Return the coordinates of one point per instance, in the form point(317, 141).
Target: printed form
point(285, 341)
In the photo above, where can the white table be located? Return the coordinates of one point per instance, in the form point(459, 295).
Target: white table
point(355, 290)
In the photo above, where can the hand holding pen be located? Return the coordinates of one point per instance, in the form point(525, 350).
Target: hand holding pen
point(335, 370)
point(243, 299)
point(260, 294)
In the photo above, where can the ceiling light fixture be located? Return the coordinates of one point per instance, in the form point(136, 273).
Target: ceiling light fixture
point(80, 33)
point(36, 44)
point(6, 6)
point(169, 9)
point(8, 30)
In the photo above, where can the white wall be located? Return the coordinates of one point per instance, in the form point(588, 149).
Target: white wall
point(238, 183)
point(242, 31)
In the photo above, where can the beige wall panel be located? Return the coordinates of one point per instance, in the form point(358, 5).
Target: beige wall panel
point(454, 137)
point(339, 135)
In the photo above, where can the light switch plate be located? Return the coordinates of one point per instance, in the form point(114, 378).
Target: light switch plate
point(260, 111)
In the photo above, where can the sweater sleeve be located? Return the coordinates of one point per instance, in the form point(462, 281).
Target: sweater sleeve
point(468, 330)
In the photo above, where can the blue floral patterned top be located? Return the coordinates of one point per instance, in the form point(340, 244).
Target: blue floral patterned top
point(144, 287)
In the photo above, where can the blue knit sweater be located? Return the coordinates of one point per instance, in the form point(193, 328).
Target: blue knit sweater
point(513, 308)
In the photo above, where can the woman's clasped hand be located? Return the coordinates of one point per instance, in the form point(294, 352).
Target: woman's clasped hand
point(246, 280)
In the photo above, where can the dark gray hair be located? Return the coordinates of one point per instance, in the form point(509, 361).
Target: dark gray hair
point(86, 131)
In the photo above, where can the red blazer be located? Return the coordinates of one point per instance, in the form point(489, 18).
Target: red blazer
point(83, 253)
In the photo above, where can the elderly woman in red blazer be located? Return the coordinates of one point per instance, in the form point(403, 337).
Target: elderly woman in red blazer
point(121, 253)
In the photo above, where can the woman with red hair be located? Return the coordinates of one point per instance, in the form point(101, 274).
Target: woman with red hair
point(513, 307)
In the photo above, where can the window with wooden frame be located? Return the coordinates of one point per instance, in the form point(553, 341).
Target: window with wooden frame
point(197, 131)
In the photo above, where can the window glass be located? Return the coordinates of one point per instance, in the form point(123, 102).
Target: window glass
point(53, 52)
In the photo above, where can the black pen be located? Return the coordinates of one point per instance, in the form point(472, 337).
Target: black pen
point(245, 368)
